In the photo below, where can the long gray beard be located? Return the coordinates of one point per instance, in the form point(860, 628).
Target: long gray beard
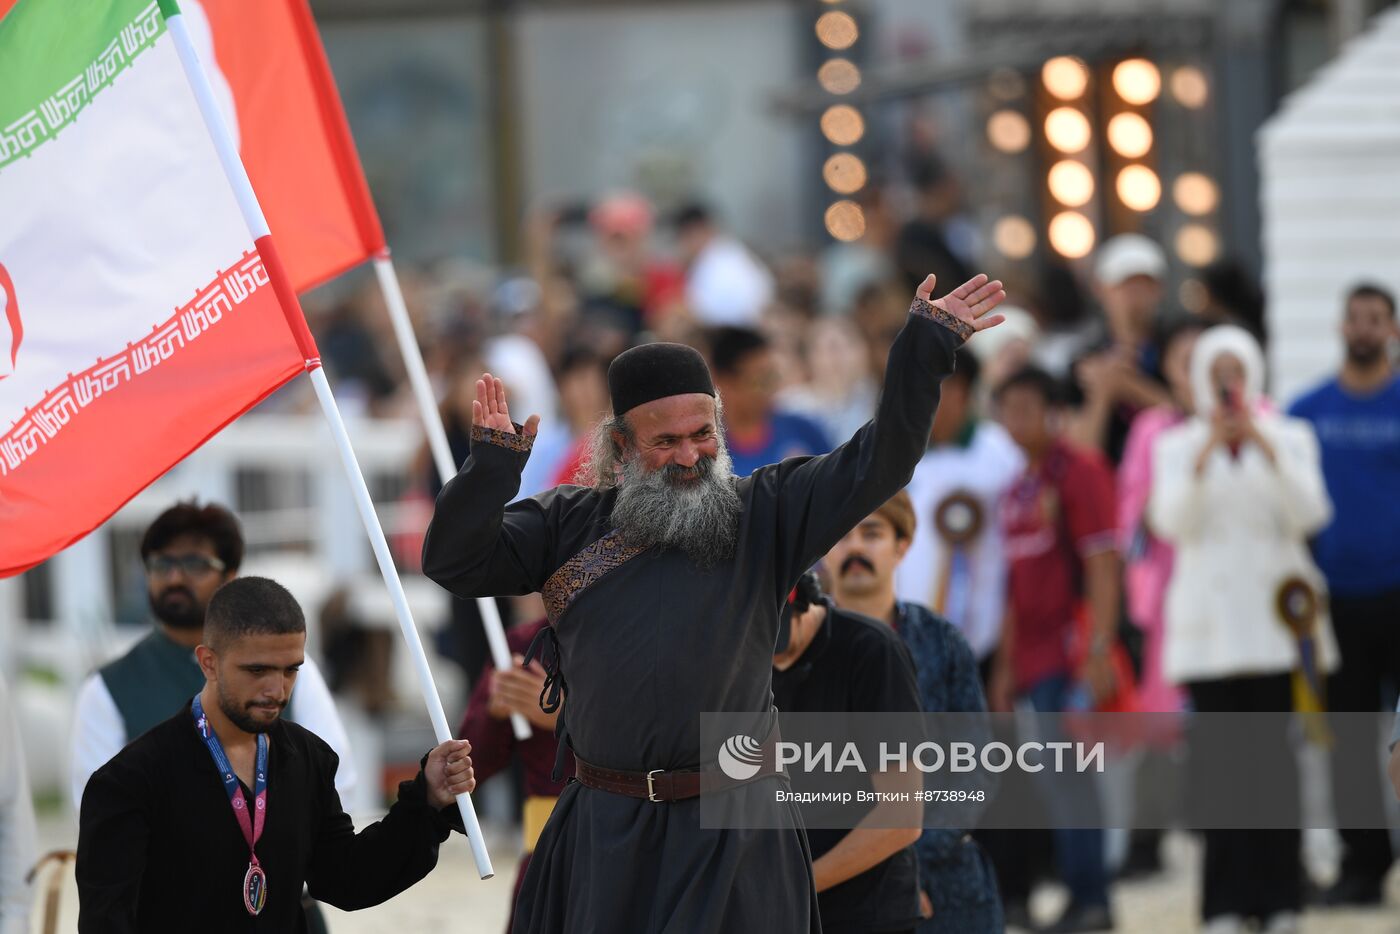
point(700, 518)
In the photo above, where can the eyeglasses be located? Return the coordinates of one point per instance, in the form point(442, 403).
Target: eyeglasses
point(189, 565)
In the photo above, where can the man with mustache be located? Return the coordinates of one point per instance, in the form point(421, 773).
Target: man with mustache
point(663, 579)
point(1356, 416)
point(957, 882)
point(159, 850)
point(189, 551)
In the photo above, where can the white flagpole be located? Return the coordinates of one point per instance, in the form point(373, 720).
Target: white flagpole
point(257, 227)
point(442, 451)
point(441, 730)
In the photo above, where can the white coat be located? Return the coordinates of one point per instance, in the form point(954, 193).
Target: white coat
point(1240, 530)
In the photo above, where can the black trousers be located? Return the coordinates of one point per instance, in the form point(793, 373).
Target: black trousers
point(1368, 635)
point(1252, 873)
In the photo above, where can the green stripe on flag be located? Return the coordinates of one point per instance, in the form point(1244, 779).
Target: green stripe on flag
point(56, 56)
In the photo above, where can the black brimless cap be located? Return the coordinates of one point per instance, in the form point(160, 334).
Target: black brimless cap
point(655, 371)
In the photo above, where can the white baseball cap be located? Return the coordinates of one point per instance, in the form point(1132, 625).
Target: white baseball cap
point(1019, 325)
point(1128, 255)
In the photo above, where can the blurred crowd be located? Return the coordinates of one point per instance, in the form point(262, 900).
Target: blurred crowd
point(1112, 512)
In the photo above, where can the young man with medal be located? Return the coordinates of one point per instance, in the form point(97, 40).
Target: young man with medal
point(157, 847)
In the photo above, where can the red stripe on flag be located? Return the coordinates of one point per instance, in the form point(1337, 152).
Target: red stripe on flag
point(287, 297)
point(94, 442)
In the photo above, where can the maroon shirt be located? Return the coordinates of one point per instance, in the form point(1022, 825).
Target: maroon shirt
point(493, 741)
point(1058, 513)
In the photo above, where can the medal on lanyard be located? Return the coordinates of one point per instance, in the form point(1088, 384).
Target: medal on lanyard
point(255, 879)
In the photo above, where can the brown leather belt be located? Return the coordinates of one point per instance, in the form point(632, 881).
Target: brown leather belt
point(669, 785)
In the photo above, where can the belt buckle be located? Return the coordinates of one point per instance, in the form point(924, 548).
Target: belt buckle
point(651, 785)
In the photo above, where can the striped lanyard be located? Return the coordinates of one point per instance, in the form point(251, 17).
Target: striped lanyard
point(255, 880)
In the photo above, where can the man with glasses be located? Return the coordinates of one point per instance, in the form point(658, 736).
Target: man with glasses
point(190, 551)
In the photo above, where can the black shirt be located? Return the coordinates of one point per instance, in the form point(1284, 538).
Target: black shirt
point(159, 848)
point(856, 664)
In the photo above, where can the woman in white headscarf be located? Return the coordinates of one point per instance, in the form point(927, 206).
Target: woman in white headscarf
point(1238, 490)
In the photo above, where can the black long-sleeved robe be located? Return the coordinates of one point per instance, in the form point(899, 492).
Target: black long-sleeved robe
point(648, 642)
point(159, 848)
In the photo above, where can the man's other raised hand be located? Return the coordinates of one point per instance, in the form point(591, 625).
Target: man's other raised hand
point(971, 302)
point(489, 409)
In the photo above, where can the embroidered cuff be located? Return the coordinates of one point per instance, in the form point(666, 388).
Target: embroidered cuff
point(518, 442)
point(932, 312)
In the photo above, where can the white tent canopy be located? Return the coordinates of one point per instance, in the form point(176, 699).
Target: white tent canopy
point(1330, 179)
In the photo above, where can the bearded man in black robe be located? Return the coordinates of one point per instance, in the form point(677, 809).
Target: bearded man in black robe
point(663, 580)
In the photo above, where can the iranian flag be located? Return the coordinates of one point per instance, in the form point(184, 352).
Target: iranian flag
point(143, 306)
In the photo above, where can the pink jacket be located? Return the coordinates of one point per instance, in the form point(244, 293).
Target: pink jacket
point(1147, 559)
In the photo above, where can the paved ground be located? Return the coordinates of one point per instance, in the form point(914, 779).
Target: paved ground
point(452, 899)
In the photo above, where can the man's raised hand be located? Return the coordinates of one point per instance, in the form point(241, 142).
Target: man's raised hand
point(489, 409)
point(970, 302)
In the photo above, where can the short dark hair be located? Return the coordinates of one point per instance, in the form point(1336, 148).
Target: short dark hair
point(1034, 379)
point(1371, 290)
point(729, 347)
point(966, 367)
point(211, 521)
point(251, 606)
point(1179, 327)
point(930, 172)
point(582, 358)
point(692, 214)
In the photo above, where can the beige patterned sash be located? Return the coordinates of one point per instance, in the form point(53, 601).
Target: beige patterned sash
point(583, 570)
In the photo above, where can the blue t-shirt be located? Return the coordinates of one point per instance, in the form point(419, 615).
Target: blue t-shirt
point(789, 435)
point(1360, 440)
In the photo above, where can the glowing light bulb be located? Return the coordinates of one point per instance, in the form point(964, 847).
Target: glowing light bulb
point(845, 173)
point(843, 125)
point(838, 76)
point(1071, 183)
point(1065, 77)
point(1195, 193)
point(1008, 131)
point(1067, 129)
point(1014, 237)
point(845, 221)
point(1071, 234)
point(1137, 81)
point(1130, 135)
point(1139, 188)
point(837, 30)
